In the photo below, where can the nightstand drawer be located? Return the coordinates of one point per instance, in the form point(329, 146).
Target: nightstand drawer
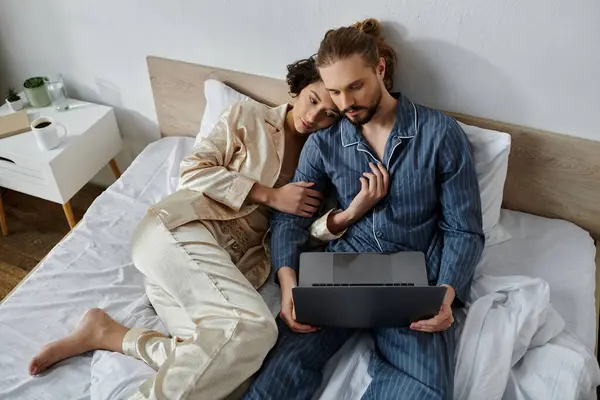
point(25, 179)
point(18, 164)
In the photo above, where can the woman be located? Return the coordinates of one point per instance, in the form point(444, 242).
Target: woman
point(202, 250)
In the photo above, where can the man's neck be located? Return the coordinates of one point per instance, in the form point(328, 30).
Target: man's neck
point(384, 119)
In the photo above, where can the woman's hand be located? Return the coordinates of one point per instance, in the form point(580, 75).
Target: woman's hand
point(296, 198)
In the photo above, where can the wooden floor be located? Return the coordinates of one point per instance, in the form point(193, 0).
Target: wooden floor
point(35, 226)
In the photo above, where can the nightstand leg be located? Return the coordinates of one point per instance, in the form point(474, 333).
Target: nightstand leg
point(3, 225)
point(115, 168)
point(69, 213)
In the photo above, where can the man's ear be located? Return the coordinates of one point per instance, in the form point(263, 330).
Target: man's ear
point(380, 67)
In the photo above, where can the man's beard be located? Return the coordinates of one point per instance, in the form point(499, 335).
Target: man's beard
point(371, 111)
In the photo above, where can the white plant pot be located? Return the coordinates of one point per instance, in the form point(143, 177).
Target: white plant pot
point(16, 105)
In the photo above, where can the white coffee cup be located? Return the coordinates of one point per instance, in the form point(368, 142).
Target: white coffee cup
point(46, 135)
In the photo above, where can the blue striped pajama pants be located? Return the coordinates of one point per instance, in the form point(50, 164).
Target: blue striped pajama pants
point(405, 364)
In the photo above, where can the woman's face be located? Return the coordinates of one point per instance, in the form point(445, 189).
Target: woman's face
point(314, 109)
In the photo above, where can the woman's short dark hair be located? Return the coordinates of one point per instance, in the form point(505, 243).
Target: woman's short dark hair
point(301, 74)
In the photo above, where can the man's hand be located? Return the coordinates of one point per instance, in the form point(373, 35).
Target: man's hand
point(373, 187)
point(287, 281)
point(443, 320)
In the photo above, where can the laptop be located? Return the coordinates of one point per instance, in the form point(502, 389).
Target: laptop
point(364, 290)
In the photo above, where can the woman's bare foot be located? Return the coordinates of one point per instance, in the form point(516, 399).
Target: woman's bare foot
point(97, 331)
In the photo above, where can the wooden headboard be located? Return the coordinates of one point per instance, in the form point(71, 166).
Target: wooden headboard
point(178, 89)
point(549, 174)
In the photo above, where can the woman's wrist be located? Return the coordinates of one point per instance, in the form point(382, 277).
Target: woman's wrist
point(260, 194)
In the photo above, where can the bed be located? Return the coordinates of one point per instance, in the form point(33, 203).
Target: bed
point(551, 211)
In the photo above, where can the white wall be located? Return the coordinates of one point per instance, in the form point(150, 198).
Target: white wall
point(530, 62)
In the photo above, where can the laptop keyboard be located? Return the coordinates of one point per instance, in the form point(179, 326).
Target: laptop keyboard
point(364, 284)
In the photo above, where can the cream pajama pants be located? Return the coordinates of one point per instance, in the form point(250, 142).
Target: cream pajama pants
point(221, 328)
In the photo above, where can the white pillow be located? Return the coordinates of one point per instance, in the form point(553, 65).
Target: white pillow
point(490, 153)
point(219, 97)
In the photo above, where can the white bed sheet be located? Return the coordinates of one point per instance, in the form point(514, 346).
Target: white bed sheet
point(92, 268)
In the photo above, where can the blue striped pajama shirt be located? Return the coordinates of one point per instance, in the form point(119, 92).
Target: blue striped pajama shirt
point(432, 205)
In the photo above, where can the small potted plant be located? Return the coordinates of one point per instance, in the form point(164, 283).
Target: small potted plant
point(37, 94)
point(14, 100)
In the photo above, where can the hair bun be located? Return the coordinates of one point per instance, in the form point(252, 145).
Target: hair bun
point(370, 26)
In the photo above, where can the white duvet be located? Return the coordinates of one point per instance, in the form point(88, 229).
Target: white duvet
point(513, 345)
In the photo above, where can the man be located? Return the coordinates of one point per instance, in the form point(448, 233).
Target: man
point(432, 205)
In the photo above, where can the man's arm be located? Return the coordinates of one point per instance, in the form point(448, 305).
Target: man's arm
point(289, 233)
point(322, 229)
point(373, 187)
point(461, 212)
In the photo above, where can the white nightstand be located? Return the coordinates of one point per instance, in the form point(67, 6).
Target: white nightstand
point(92, 141)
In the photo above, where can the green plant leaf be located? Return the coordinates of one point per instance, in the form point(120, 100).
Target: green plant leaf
point(35, 82)
point(12, 95)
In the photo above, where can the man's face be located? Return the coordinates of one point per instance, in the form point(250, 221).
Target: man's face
point(355, 87)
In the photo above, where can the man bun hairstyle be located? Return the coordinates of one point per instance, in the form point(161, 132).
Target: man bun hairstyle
point(301, 74)
point(364, 38)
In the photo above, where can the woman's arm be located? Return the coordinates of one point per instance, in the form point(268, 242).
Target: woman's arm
point(294, 198)
point(204, 170)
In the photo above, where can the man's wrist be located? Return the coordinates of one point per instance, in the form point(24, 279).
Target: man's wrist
point(450, 293)
point(287, 277)
point(349, 215)
point(339, 221)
